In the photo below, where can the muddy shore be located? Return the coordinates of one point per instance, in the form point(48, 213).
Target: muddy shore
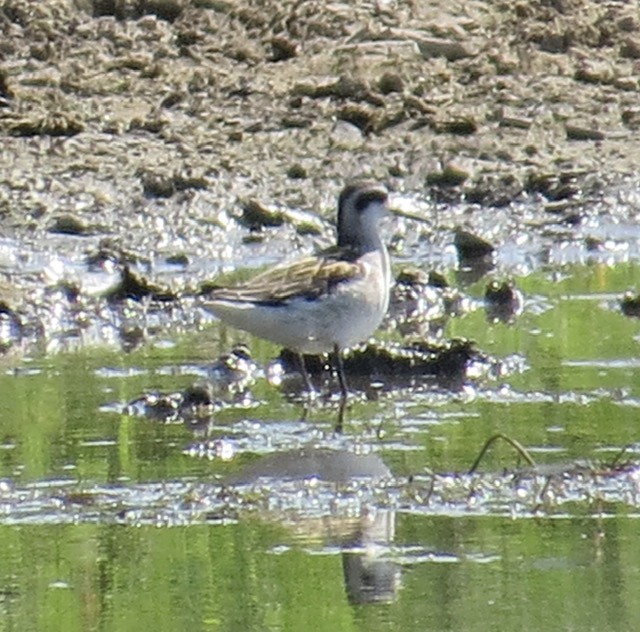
point(155, 124)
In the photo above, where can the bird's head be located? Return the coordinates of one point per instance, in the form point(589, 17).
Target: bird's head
point(361, 206)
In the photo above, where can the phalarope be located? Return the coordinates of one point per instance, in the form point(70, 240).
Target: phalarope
point(322, 303)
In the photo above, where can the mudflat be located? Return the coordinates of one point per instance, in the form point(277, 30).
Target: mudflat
point(147, 122)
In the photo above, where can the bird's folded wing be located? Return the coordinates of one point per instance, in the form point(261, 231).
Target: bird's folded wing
point(308, 278)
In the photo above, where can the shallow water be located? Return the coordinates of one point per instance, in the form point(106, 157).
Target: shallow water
point(114, 520)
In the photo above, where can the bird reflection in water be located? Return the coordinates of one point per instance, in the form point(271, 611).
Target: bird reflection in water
point(370, 575)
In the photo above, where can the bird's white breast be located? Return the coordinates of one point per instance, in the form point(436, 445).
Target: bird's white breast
point(347, 315)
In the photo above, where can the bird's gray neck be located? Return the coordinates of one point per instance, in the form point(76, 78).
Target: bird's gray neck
point(361, 240)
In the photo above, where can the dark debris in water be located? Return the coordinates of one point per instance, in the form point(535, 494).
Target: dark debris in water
point(225, 382)
point(630, 305)
point(110, 254)
point(476, 256)
point(135, 287)
point(421, 303)
point(257, 216)
point(447, 361)
point(398, 364)
point(470, 246)
point(503, 301)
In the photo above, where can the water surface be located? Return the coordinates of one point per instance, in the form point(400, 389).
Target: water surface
point(113, 520)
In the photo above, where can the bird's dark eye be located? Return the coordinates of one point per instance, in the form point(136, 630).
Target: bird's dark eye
point(367, 197)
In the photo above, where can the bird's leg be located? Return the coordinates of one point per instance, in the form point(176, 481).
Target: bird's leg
point(343, 388)
point(305, 374)
point(337, 355)
point(339, 427)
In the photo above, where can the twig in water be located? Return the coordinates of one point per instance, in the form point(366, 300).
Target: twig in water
point(512, 442)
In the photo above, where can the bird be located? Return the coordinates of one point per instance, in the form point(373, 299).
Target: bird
point(324, 303)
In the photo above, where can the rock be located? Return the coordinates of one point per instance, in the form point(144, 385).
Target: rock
point(461, 125)
point(173, 98)
point(69, 225)
point(450, 176)
point(164, 185)
point(297, 172)
point(341, 88)
point(157, 185)
point(628, 23)
point(518, 122)
point(631, 118)
point(256, 215)
point(449, 49)
point(390, 82)
point(135, 287)
point(169, 10)
point(359, 115)
point(5, 90)
point(503, 302)
point(497, 190)
point(416, 307)
point(184, 180)
point(429, 47)
point(283, 49)
point(594, 72)
point(630, 305)
point(470, 246)
point(555, 187)
point(630, 48)
point(577, 132)
point(181, 259)
point(346, 136)
point(554, 42)
point(55, 124)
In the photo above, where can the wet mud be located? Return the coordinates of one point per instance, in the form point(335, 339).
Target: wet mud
point(161, 128)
